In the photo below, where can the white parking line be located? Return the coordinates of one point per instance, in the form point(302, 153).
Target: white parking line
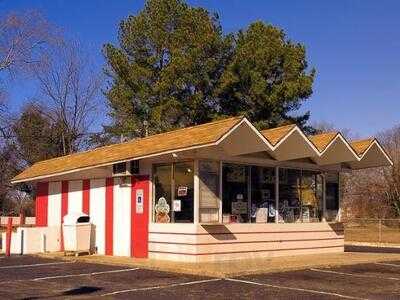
point(159, 287)
point(353, 274)
point(388, 264)
point(84, 274)
point(295, 289)
point(36, 265)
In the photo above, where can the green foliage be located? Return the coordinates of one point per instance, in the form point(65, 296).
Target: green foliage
point(37, 137)
point(166, 68)
point(266, 78)
point(174, 67)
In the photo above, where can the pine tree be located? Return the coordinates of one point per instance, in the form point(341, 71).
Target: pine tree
point(165, 70)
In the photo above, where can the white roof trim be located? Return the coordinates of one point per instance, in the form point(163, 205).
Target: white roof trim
point(375, 142)
point(255, 130)
point(340, 136)
point(296, 129)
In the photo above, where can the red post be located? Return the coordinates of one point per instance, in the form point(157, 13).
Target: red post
point(8, 236)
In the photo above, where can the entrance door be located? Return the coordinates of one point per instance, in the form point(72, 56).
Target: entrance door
point(140, 216)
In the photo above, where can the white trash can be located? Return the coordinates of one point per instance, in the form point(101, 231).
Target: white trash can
point(77, 233)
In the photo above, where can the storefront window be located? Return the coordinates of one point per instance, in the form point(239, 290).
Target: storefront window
point(262, 195)
point(209, 191)
point(162, 178)
point(300, 196)
point(173, 193)
point(311, 196)
point(235, 208)
point(332, 196)
point(289, 196)
point(184, 193)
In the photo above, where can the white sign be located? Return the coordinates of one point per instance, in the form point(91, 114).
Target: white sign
point(139, 201)
point(182, 191)
point(177, 205)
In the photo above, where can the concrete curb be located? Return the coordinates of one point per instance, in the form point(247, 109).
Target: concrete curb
point(245, 267)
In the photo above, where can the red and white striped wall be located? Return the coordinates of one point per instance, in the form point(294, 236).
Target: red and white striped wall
point(108, 202)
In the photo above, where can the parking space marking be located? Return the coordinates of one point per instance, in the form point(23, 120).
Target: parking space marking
point(295, 289)
point(353, 274)
point(388, 264)
point(84, 274)
point(36, 265)
point(160, 287)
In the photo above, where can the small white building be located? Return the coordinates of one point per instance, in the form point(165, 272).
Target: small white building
point(217, 191)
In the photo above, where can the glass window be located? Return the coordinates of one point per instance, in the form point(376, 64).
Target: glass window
point(311, 196)
point(332, 191)
point(162, 178)
point(235, 207)
point(173, 193)
point(289, 196)
point(209, 191)
point(300, 196)
point(184, 193)
point(262, 195)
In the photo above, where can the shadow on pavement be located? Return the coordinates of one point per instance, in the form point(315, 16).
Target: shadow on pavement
point(371, 249)
point(82, 290)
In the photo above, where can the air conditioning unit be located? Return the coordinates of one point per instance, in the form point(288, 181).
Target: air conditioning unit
point(126, 168)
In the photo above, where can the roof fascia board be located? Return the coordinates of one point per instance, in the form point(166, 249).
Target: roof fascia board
point(296, 129)
point(375, 142)
point(255, 130)
point(111, 163)
point(339, 136)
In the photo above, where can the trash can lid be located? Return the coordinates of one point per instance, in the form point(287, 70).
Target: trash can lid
point(73, 218)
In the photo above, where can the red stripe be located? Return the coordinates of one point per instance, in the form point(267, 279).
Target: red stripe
point(109, 218)
point(64, 200)
point(140, 221)
point(42, 203)
point(64, 207)
point(86, 196)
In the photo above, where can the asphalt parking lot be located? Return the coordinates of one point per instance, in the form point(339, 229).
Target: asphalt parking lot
point(29, 277)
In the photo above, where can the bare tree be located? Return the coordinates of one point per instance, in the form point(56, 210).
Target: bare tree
point(71, 90)
point(322, 126)
point(22, 39)
point(375, 192)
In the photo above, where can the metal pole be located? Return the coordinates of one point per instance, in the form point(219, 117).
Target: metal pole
point(276, 195)
point(196, 181)
point(323, 197)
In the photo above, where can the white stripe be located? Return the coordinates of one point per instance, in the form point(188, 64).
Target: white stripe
point(295, 289)
point(36, 265)
point(354, 275)
point(122, 218)
point(85, 274)
point(387, 264)
point(54, 206)
point(75, 196)
point(97, 212)
point(160, 287)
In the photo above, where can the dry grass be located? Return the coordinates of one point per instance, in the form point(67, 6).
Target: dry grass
point(373, 233)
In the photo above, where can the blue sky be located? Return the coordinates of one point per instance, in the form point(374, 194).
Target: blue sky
point(353, 44)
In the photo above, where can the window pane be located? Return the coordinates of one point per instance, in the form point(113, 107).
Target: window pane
point(310, 198)
point(184, 192)
point(332, 195)
point(262, 194)
point(234, 196)
point(209, 191)
point(162, 176)
point(289, 196)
